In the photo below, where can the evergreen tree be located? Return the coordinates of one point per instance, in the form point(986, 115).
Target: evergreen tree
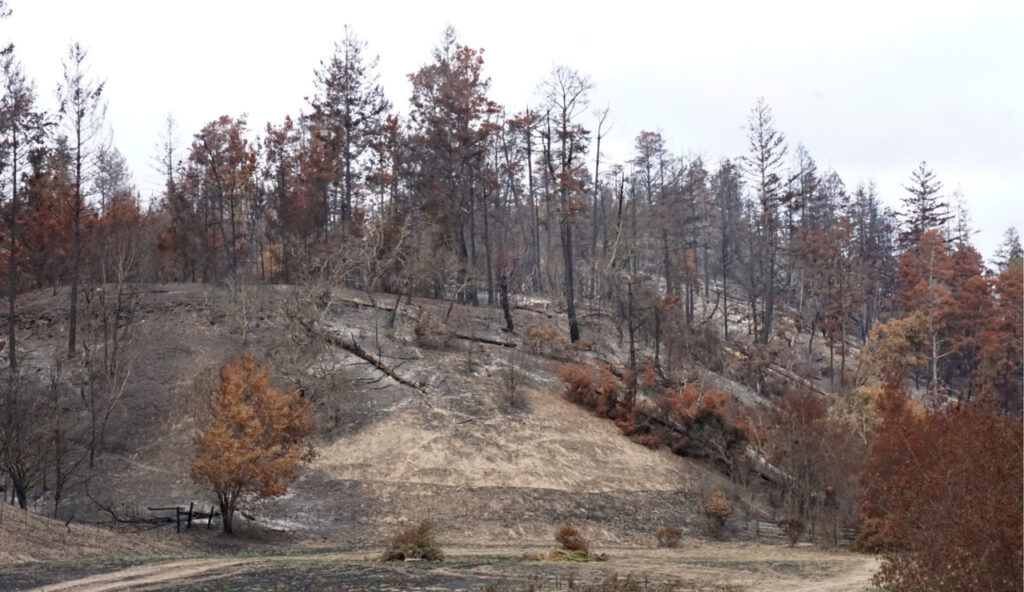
point(1010, 250)
point(349, 111)
point(924, 209)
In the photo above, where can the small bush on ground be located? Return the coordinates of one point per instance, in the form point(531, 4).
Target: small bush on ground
point(432, 332)
point(716, 508)
point(793, 527)
point(414, 543)
point(570, 539)
point(513, 395)
point(545, 340)
point(668, 536)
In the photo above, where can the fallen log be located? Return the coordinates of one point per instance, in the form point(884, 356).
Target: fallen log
point(486, 341)
point(534, 310)
point(355, 349)
point(354, 302)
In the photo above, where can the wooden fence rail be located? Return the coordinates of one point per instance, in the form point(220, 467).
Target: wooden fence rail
point(185, 515)
point(839, 535)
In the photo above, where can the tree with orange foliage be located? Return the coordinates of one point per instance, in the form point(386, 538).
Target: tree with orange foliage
point(944, 489)
point(450, 122)
point(1001, 341)
point(924, 288)
point(225, 164)
point(256, 438)
point(47, 234)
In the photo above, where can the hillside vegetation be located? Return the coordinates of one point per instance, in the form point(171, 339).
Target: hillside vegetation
point(365, 317)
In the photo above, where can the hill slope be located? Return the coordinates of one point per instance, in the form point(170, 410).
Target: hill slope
point(452, 451)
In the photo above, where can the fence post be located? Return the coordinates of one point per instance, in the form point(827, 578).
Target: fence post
point(189, 524)
point(209, 520)
point(177, 519)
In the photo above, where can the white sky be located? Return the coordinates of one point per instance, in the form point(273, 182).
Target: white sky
point(870, 88)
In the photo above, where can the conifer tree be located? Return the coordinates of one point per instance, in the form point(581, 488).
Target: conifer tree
point(924, 209)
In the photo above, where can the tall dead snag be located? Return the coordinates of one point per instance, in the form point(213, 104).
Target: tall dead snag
point(21, 133)
point(83, 111)
point(565, 92)
point(256, 438)
point(764, 169)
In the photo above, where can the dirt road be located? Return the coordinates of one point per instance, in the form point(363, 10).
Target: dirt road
point(726, 566)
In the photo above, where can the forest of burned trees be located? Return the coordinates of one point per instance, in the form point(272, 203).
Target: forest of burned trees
point(762, 255)
point(465, 199)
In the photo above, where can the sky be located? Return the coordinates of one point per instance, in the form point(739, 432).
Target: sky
point(870, 88)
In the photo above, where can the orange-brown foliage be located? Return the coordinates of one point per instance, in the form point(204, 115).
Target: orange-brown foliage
point(686, 421)
point(945, 490)
point(571, 539)
point(668, 536)
point(255, 440)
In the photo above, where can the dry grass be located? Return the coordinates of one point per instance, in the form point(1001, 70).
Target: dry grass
point(27, 537)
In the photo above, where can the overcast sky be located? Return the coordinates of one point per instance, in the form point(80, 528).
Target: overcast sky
point(870, 88)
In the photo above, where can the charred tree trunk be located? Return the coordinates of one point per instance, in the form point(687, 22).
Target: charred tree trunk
point(506, 307)
point(12, 264)
point(76, 248)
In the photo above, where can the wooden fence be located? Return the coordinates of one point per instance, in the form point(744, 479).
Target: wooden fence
point(835, 534)
point(181, 515)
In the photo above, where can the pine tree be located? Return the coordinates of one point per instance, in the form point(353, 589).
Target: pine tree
point(763, 166)
point(1010, 250)
point(349, 110)
point(450, 123)
point(924, 208)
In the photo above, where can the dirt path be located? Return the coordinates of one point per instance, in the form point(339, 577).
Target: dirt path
point(736, 566)
point(143, 575)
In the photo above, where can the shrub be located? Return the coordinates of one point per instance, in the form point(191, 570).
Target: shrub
point(668, 536)
point(545, 340)
point(513, 396)
point(572, 556)
point(716, 508)
point(432, 332)
point(869, 537)
point(414, 543)
point(793, 527)
point(571, 539)
point(713, 428)
point(598, 391)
